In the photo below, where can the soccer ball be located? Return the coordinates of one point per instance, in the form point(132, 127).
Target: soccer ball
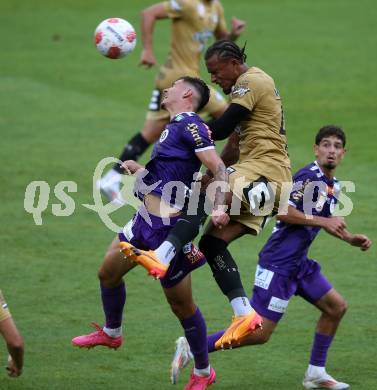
point(115, 38)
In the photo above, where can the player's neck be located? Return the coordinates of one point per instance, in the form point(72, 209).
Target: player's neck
point(174, 111)
point(328, 172)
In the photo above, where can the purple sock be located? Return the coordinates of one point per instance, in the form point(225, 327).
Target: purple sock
point(321, 344)
point(196, 335)
point(113, 300)
point(212, 338)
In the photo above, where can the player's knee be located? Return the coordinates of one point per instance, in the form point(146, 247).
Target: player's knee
point(211, 246)
point(182, 309)
point(341, 309)
point(107, 278)
point(337, 310)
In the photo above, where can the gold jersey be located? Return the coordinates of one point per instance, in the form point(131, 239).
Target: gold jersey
point(262, 134)
point(193, 23)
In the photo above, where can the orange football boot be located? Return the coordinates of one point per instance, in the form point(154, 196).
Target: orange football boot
point(239, 329)
point(146, 259)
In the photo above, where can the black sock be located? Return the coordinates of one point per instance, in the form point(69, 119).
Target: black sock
point(187, 227)
point(132, 151)
point(223, 266)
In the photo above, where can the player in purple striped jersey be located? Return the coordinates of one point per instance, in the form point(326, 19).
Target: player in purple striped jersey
point(284, 268)
point(183, 146)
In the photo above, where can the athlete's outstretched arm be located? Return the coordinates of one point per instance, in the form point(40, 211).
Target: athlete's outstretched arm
point(148, 19)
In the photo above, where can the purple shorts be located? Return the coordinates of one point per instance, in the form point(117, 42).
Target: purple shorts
point(150, 234)
point(272, 291)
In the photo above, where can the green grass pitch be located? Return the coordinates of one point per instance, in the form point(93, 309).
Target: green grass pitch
point(63, 107)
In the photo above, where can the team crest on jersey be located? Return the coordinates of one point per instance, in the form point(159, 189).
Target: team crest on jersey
point(194, 130)
point(164, 135)
point(240, 90)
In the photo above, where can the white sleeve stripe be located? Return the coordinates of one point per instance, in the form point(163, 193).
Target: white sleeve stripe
point(203, 149)
point(292, 204)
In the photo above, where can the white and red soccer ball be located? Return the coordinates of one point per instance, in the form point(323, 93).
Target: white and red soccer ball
point(115, 38)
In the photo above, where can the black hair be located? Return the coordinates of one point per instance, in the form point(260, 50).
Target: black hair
point(226, 49)
point(201, 87)
point(330, 131)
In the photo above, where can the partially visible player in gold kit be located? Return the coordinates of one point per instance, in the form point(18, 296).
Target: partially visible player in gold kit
point(13, 340)
point(193, 22)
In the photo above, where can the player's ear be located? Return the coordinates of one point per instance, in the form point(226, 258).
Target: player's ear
point(315, 149)
point(188, 93)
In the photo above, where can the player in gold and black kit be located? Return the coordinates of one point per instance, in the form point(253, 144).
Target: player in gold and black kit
point(193, 23)
point(258, 167)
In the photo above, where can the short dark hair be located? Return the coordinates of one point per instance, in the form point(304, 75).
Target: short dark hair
point(201, 87)
point(330, 131)
point(226, 49)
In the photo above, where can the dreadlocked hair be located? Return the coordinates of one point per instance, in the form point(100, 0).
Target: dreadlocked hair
point(226, 49)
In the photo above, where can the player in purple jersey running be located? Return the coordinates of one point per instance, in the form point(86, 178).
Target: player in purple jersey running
point(183, 146)
point(284, 268)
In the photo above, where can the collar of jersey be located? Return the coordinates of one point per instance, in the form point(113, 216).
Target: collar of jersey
point(321, 172)
point(181, 115)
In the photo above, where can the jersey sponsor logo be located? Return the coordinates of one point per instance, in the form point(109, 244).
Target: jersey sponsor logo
point(278, 305)
point(193, 253)
point(263, 277)
point(194, 130)
point(298, 190)
point(240, 90)
point(164, 135)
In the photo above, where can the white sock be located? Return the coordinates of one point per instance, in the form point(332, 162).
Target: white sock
point(315, 371)
point(202, 371)
point(241, 306)
point(116, 332)
point(111, 176)
point(166, 252)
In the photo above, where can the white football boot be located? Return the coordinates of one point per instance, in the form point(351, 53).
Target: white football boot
point(181, 358)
